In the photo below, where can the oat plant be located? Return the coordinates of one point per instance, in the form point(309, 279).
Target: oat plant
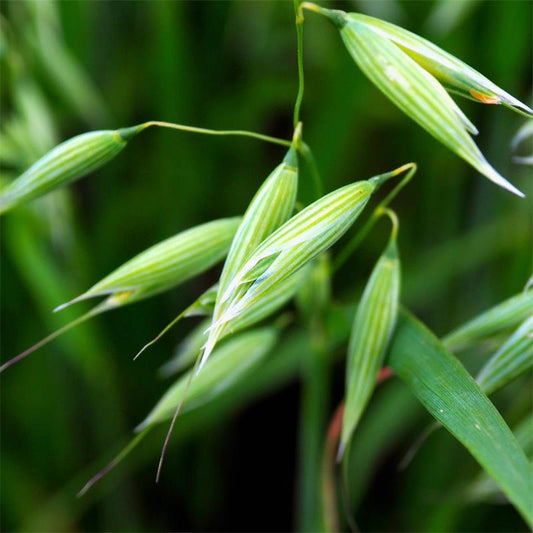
point(268, 285)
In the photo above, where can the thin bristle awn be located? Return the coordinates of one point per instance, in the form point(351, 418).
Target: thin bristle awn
point(93, 312)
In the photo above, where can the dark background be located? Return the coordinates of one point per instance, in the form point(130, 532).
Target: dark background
point(70, 67)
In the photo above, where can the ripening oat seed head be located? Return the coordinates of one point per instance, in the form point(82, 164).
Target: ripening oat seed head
point(165, 264)
point(233, 359)
point(155, 270)
point(513, 358)
point(450, 71)
point(271, 206)
point(276, 299)
point(372, 330)
point(302, 238)
point(66, 163)
point(410, 71)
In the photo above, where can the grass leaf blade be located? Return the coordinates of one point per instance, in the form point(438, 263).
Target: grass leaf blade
point(505, 315)
point(451, 395)
point(512, 359)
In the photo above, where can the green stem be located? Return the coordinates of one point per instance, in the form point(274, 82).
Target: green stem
point(302, 147)
point(313, 418)
point(393, 218)
point(359, 237)
point(299, 37)
point(206, 131)
point(306, 153)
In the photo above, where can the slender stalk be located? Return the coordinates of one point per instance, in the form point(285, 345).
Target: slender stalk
point(306, 153)
point(393, 218)
point(299, 38)
point(359, 237)
point(207, 131)
point(313, 417)
point(302, 147)
point(329, 485)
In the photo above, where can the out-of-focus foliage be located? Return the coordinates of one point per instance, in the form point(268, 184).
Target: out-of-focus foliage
point(69, 67)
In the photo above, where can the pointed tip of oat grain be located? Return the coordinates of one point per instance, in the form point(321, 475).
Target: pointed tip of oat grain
point(143, 425)
point(497, 178)
point(340, 452)
point(519, 107)
point(80, 298)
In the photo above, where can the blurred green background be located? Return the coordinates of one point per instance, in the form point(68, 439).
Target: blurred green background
point(70, 67)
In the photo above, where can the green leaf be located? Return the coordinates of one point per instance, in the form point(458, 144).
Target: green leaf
point(499, 318)
point(483, 488)
point(512, 359)
point(451, 395)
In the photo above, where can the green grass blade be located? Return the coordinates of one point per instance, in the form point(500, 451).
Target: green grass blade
point(450, 394)
point(483, 487)
point(513, 359)
point(503, 316)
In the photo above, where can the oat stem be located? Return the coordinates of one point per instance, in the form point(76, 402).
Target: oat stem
point(393, 218)
point(306, 153)
point(316, 376)
point(358, 238)
point(206, 131)
point(299, 20)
